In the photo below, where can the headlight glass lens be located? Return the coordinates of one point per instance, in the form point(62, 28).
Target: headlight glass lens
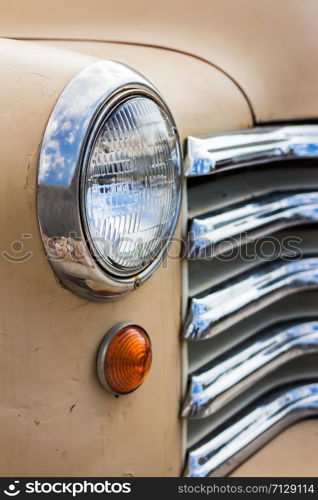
point(132, 186)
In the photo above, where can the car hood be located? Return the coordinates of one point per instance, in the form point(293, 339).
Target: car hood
point(269, 48)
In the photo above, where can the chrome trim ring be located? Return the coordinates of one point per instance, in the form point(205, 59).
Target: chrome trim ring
point(93, 93)
point(216, 153)
point(228, 376)
point(229, 446)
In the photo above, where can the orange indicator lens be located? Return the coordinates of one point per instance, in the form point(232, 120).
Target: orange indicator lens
point(128, 359)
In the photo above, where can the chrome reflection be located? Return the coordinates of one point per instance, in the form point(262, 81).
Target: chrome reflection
point(226, 448)
point(252, 146)
point(226, 377)
point(210, 234)
point(220, 308)
point(87, 99)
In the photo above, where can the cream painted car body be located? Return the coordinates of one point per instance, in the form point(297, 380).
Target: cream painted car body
point(224, 66)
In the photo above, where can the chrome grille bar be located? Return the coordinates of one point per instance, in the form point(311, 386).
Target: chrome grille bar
point(219, 382)
point(218, 309)
point(210, 234)
point(226, 448)
point(206, 155)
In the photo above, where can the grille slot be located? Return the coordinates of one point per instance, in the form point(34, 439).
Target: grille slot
point(228, 446)
point(258, 186)
point(211, 234)
point(302, 369)
point(216, 310)
point(223, 379)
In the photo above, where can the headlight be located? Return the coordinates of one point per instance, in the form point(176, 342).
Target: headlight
point(132, 186)
point(109, 181)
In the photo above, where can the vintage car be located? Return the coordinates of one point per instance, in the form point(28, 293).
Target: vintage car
point(159, 262)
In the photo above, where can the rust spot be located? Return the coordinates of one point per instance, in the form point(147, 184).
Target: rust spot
point(72, 408)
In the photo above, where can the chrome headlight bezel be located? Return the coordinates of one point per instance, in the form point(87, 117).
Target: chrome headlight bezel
point(86, 101)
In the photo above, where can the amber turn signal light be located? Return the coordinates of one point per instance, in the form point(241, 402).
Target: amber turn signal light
point(124, 358)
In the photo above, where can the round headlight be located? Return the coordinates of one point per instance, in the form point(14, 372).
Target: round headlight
point(131, 186)
point(109, 181)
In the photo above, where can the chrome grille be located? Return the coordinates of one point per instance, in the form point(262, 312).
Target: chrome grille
point(252, 317)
